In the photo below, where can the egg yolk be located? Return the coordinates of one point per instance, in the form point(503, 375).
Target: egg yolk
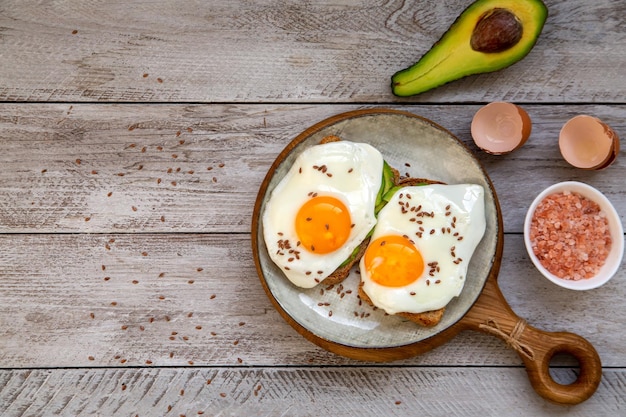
point(393, 261)
point(323, 224)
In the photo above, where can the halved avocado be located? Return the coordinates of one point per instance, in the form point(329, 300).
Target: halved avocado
point(489, 35)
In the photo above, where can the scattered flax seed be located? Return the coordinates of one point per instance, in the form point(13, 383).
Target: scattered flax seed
point(87, 219)
point(78, 161)
point(134, 208)
point(182, 392)
point(144, 253)
point(239, 360)
point(242, 323)
point(190, 363)
point(104, 267)
point(173, 183)
point(91, 358)
point(167, 318)
point(135, 282)
point(161, 297)
point(221, 165)
point(212, 296)
point(208, 381)
point(189, 130)
point(200, 269)
point(209, 168)
point(214, 179)
point(120, 174)
point(174, 155)
point(171, 354)
point(110, 194)
point(143, 150)
point(222, 394)
point(160, 80)
point(162, 218)
point(162, 274)
point(182, 141)
point(140, 167)
point(198, 327)
point(113, 303)
point(148, 362)
point(123, 360)
point(159, 148)
point(107, 278)
point(145, 75)
point(94, 172)
point(178, 133)
point(43, 171)
point(93, 316)
point(190, 314)
point(236, 342)
point(398, 402)
point(191, 281)
point(158, 180)
point(123, 387)
point(74, 32)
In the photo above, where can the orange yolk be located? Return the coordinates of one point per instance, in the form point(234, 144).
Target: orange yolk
point(393, 261)
point(323, 224)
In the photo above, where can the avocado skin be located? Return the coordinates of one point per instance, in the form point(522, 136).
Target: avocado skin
point(452, 56)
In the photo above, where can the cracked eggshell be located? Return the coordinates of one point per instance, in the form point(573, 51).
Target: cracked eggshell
point(500, 127)
point(588, 143)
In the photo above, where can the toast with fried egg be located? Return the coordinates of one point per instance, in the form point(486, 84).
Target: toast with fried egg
point(392, 180)
point(427, 318)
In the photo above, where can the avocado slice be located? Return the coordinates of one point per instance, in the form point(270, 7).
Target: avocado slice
point(489, 35)
point(387, 184)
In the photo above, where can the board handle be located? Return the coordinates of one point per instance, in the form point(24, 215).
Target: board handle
point(491, 314)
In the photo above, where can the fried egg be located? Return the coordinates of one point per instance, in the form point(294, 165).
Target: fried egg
point(322, 210)
point(420, 249)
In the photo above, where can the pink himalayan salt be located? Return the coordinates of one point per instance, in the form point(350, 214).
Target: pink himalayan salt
point(570, 235)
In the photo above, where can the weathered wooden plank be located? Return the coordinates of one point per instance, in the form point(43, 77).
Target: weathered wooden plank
point(197, 168)
point(180, 299)
point(311, 391)
point(272, 51)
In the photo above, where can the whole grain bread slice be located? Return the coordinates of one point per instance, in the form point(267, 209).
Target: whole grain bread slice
point(426, 318)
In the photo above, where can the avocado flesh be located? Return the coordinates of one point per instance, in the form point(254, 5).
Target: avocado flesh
point(386, 184)
point(452, 57)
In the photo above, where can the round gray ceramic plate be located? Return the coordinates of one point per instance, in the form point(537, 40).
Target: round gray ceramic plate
point(413, 145)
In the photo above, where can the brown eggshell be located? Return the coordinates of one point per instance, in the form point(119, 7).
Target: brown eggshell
point(588, 143)
point(500, 127)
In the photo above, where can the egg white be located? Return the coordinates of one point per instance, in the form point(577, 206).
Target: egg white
point(355, 178)
point(453, 232)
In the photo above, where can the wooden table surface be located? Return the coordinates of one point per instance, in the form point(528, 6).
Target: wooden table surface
point(134, 137)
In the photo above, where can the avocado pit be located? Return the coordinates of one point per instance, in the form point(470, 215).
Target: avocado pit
point(497, 30)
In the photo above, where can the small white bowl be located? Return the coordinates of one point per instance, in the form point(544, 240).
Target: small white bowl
point(614, 259)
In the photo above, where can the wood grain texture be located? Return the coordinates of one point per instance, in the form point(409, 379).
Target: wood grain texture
point(100, 168)
point(181, 299)
point(368, 392)
point(274, 51)
point(133, 139)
